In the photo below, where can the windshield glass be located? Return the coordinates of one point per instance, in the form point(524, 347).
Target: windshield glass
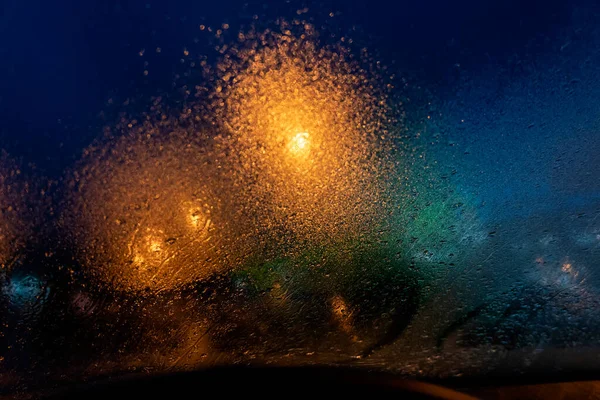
point(407, 187)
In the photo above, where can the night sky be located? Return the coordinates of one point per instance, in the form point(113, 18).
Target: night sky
point(62, 60)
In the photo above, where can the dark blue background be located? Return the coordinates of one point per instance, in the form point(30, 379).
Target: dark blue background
point(61, 60)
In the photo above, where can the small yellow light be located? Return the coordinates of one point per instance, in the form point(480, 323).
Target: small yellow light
point(155, 246)
point(195, 219)
point(299, 143)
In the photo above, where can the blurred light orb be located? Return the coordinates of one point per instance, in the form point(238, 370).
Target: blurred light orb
point(145, 213)
point(24, 291)
point(303, 123)
point(299, 144)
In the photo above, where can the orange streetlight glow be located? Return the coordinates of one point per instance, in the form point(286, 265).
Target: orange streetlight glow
point(152, 209)
point(303, 122)
point(300, 143)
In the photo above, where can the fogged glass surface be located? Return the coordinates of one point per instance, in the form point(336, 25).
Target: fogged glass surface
point(296, 197)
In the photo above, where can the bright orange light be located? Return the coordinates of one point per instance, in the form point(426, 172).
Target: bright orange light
point(148, 251)
point(195, 219)
point(300, 143)
point(155, 246)
point(302, 120)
